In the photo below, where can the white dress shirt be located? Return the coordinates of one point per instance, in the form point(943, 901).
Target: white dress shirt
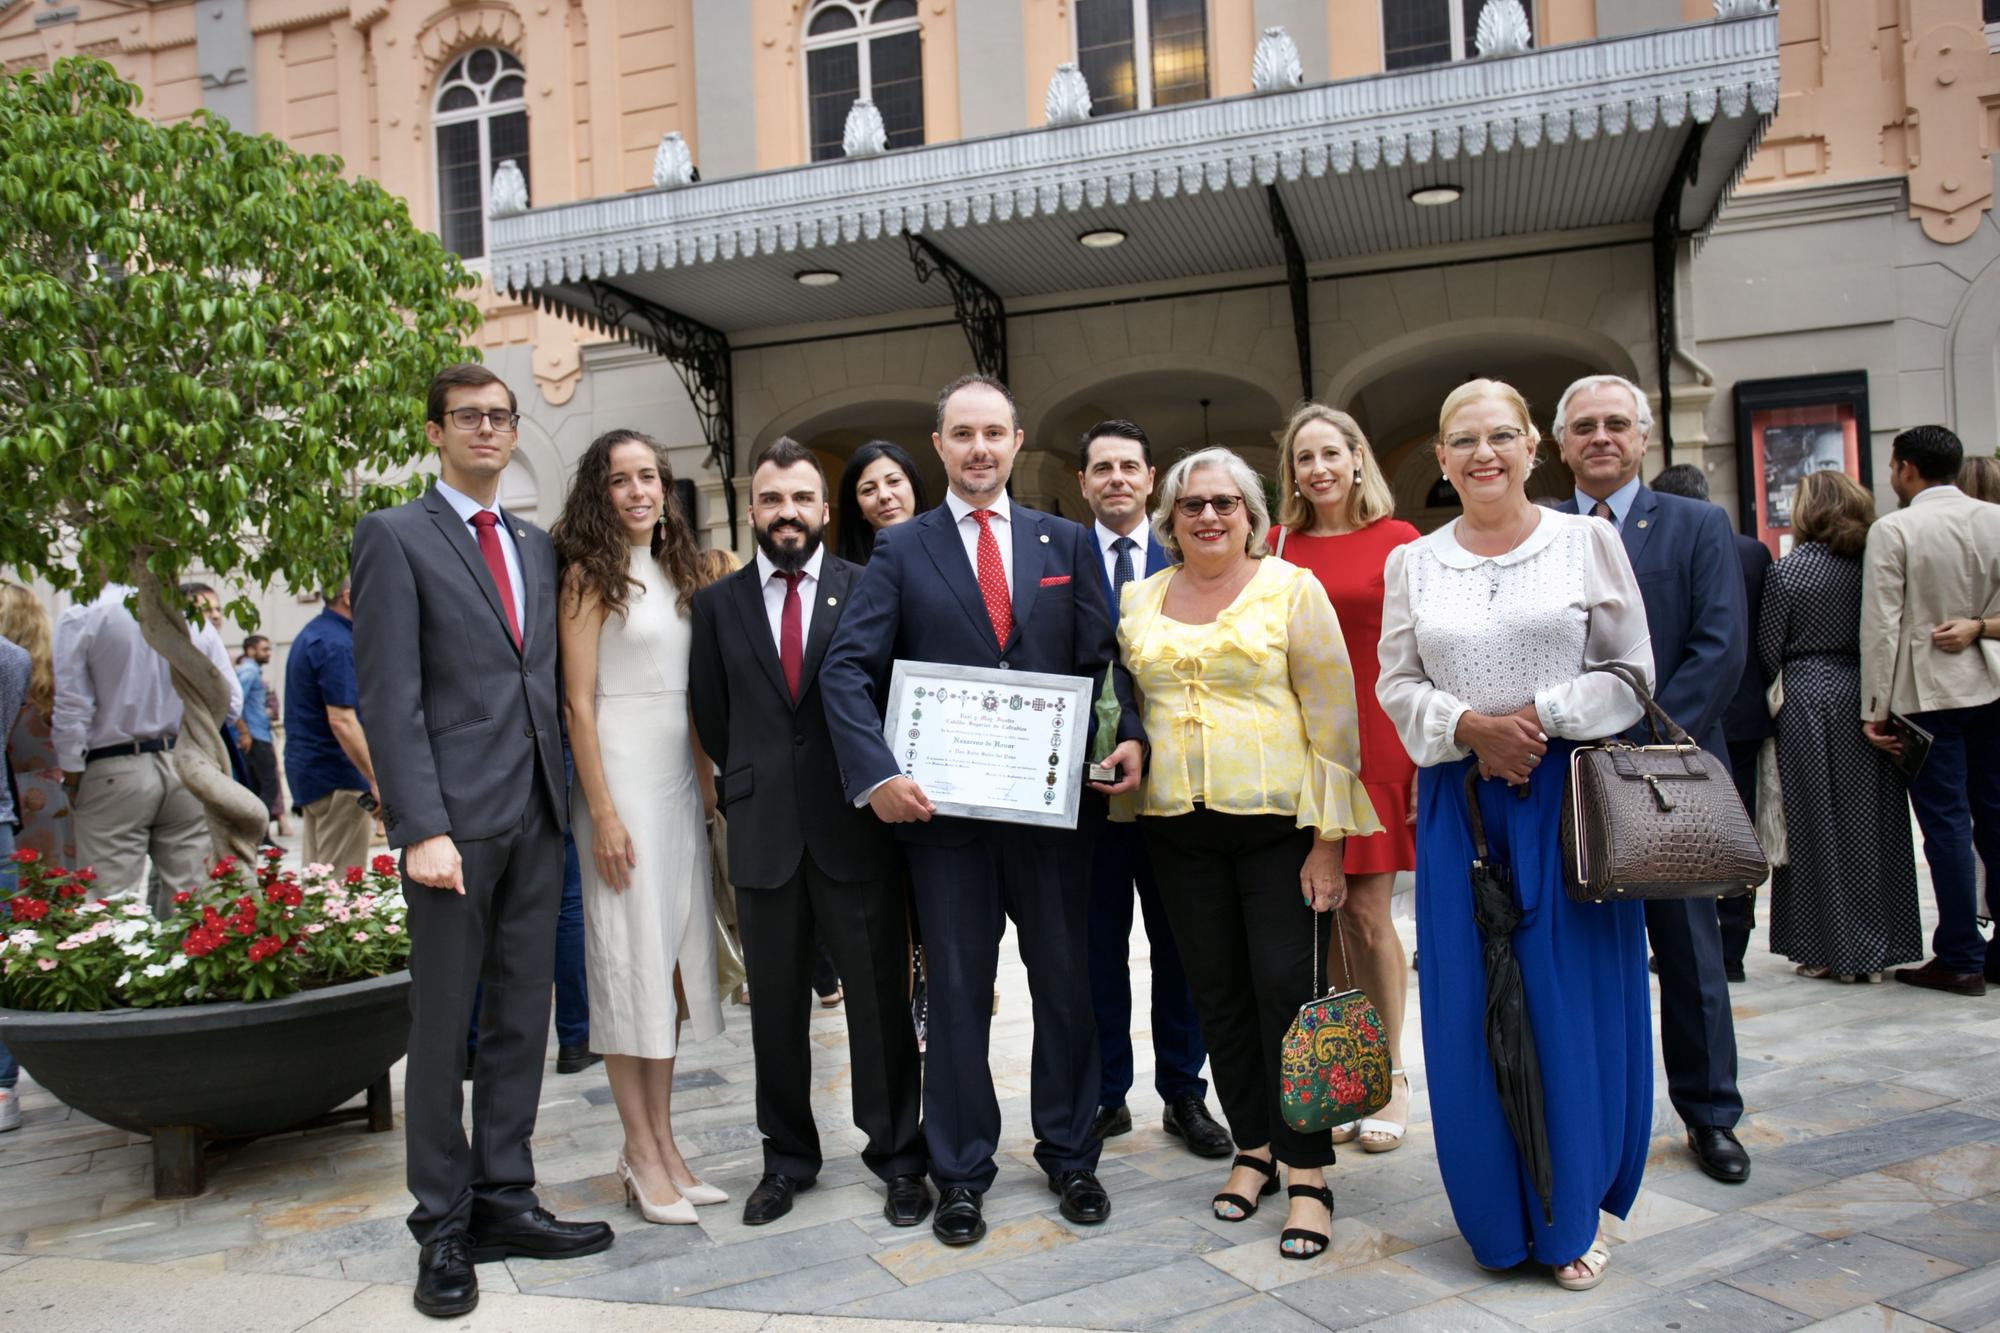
point(111, 687)
point(1142, 537)
point(774, 595)
point(968, 532)
point(465, 507)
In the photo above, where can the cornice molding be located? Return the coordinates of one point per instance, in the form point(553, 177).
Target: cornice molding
point(1468, 109)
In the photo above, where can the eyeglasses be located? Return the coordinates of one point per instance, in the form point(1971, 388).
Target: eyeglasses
point(1223, 505)
point(1504, 438)
point(1585, 427)
point(468, 418)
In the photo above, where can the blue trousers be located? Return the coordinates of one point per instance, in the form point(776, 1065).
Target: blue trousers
point(1119, 866)
point(1957, 800)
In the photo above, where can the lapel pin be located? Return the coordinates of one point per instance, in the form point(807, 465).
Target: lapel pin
point(1642, 522)
point(833, 601)
point(1045, 539)
point(520, 532)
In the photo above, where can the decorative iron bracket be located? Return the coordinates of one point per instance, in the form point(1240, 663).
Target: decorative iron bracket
point(1295, 279)
point(700, 355)
point(1666, 245)
point(981, 312)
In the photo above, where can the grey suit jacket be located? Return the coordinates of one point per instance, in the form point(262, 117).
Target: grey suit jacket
point(463, 727)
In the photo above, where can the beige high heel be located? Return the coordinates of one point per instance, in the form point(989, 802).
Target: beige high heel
point(700, 1193)
point(678, 1213)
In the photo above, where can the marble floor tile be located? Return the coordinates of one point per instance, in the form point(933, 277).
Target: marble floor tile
point(95, 1296)
point(1259, 1312)
point(1964, 1303)
point(1969, 1170)
point(1875, 1319)
point(1966, 1233)
point(1875, 1146)
point(1692, 1256)
point(1530, 1297)
point(955, 1299)
point(920, 1260)
point(1066, 1268)
point(709, 1267)
point(1363, 1295)
point(1710, 1308)
point(1768, 1180)
point(1137, 1300)
point(1835, 1277)
point(1858, 1203)
point(1261, 1265)
point(804, 1290)
point(1846, 1108)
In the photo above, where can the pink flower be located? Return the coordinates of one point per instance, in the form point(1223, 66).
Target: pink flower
point(392, 930)
point(361, 937)
point(47, 964)
point(65, 945)
point(316, 927)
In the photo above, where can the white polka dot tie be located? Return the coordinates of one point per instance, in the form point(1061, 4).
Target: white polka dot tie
point(993, 580)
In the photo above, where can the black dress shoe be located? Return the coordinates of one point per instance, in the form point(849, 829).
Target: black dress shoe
point(575, 1059)
point(772, 1198)
point(536, 1234)
point(1111, 1122)
point(958, 1220)
point(446, 1285)
point(909, 1201)
point(1932, 977)
point(1187, 1119)
point(1719, 1153)
point(1732, 971)
point(1084, 1200)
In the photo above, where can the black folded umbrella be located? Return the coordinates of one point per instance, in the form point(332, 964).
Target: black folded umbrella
point(1510, 1042)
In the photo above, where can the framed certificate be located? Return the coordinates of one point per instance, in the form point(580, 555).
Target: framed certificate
point(991, 744)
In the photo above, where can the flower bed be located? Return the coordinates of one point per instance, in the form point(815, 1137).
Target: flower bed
point(244, 935)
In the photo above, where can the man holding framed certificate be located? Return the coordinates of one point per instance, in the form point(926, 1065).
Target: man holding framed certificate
point(964, 599)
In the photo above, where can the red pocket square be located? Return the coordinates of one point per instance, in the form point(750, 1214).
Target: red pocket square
point(1055, 580)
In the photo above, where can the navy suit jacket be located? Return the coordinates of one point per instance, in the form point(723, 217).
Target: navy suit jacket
point(919, 601)
point(1748, 718)
point(1684, 554)
point(1157, 559)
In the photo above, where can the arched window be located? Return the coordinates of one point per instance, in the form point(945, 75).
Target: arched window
point(863, 48)
point(480, 121)
point(1141, 53)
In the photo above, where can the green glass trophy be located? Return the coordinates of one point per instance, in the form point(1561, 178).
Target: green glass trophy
point(1106, 711)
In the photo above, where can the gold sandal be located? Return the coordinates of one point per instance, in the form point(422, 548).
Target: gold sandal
point(1594, 1262)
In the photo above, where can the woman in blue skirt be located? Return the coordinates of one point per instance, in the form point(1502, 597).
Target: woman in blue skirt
point(1491, 629)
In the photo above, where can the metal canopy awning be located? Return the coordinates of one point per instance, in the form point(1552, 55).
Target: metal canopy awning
point(1648, 129)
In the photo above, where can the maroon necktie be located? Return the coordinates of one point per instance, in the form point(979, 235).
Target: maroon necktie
point(790, 649)
point(496, 565)
point(1603, 511)
point(993, 579)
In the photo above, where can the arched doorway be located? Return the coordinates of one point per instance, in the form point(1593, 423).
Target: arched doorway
point(835, 432)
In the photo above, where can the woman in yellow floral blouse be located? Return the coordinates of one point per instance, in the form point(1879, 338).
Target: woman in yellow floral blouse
point(1253, 786)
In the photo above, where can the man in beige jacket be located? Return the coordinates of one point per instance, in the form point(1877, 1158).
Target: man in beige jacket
point(1930, 618)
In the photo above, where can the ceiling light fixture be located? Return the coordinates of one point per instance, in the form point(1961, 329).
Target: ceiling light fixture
point(816, 277)
point(1436, 196)
point(1101, 239)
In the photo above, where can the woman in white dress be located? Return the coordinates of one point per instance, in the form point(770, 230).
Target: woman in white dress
point(629, 570)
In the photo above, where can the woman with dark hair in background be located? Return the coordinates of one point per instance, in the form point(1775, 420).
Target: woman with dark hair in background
point(629, 570)
point(879, 488)
point(1845, 907)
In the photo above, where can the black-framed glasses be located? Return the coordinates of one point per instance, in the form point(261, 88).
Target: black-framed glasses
point(468, 418)
point(1223, 505)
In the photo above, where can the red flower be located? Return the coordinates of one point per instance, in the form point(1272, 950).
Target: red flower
point(27, 856)
point(27, 909)
point(182, 897)
point(86, 876)
point(383, 865)
point(265, 947)
point(355, 874)
point(274, 853)
point(294, 895)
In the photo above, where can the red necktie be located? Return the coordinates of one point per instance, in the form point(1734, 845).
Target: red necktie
point(993, 579)
point(496, 565)
point(1603, 511)
point(790, 651)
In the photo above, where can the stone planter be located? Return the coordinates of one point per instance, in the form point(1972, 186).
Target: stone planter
point(191, 1075)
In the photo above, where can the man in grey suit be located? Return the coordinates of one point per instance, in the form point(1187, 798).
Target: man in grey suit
point(455, 646)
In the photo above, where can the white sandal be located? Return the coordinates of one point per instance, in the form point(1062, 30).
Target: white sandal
point(1594, 1262)
point(1389, 1133)
point(1346, 1133)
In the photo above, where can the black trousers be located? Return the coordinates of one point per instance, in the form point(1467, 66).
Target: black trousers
point(500, 935)
point(865, 927)
point(1247, 939)
point(1738, 912)
point(263, 764)
point(965, 894)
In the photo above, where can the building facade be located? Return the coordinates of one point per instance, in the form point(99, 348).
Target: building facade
point(1364, 209)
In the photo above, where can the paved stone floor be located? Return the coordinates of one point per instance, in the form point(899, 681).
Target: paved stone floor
point(1874, 1204)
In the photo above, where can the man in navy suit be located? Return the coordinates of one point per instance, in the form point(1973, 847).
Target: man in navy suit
point(1747, 720)
point(1688, 573)
point(1115, 473)
point(980, 582)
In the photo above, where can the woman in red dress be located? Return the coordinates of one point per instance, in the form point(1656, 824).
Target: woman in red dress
point(1335, 519)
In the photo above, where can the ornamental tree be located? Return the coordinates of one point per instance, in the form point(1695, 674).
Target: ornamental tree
point(212, 351)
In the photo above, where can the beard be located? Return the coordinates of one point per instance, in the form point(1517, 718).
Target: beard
point(788, 559)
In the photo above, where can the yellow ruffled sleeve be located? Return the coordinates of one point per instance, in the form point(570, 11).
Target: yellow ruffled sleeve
point(1331, 797)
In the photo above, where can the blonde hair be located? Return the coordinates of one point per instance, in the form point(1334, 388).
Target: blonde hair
point(1831, 508)
point(1367, 500)
point(1980, 479)
point(1473, 391)
point(1240, 472)
point(24, 622)
point(714, 563)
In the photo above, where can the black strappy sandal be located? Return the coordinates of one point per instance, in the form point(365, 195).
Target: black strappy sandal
point(1325, 1196)
point(1270, 1187)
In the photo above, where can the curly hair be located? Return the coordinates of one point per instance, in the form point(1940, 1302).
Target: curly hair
point(592, 546)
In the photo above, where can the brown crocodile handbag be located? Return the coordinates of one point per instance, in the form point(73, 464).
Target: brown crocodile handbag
point(1661, 820)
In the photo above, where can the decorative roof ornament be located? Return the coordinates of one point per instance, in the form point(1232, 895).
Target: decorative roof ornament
point(673, 164)
point(864, 135)
point(1742, 9)
point(1275, 67)
point(1503, 29)
point(510, 191)
point(1068, 99)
